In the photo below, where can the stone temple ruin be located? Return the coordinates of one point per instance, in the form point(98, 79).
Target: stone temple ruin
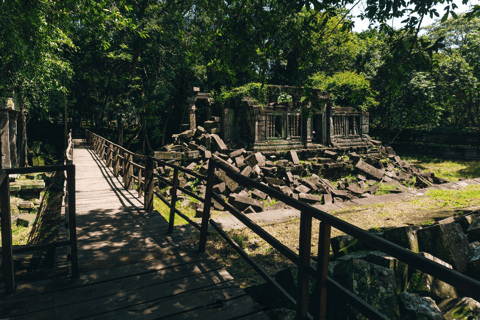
point(294, 124)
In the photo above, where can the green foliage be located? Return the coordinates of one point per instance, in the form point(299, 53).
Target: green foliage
point(254, 90)
point(348, 89)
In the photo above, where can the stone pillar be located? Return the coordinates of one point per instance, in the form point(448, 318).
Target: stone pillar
point(13, 115)
point(191, 113)
point(5, 138)
point(309, 133)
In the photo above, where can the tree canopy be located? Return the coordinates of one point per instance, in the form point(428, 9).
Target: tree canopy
point(136, 61)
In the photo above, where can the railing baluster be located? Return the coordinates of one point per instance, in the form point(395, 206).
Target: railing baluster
point(116, 162)
point(139, 182)
point(72, 224)
point(109, 156)
point(173, 192)
point(304, 266)
point(148, 201)
point(129, 171)
point(207, 206)
point(322, 269)
point(7, 253)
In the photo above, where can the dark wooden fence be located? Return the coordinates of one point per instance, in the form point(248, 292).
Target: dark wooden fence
point(70, 222)
point(302, 260)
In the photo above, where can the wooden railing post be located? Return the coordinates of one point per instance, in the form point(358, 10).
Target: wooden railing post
point(207, 206)
point(173, 191)
point(139, 182)
point(109, 156)
point(116, 162)
point(304, 266)
point(148, 201)
point(322, 269)
point(72, 222)
point(102, 149)
point(7, 253)
point(128, 172)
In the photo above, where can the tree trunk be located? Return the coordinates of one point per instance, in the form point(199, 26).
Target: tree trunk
point(22, 134)
point(120, 132)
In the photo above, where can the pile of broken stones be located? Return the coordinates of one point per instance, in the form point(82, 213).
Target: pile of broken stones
point(313, 176)
point(318, 177)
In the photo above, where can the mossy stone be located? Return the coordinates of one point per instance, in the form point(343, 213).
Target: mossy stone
point(460, 309)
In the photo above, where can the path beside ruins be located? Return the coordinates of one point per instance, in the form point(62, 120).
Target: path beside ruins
point(130, 267)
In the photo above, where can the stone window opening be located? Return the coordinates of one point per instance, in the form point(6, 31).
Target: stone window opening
point(275, 126)
point(293, 125)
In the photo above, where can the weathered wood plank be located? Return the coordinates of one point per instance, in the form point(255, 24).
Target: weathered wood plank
point(104, 289)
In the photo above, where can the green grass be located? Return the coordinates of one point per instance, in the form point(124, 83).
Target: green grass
point(164, 210)
point(470, 196)
point(451, 170)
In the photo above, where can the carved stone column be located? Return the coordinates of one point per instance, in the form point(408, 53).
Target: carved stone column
point(5, 138)
point(13, 115)
point(191, 113)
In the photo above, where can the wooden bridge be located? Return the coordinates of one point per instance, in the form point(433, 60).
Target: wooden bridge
point(129, 266)
point(126, 261)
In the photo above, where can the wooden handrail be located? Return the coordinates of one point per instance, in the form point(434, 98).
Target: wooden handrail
point(6, 229)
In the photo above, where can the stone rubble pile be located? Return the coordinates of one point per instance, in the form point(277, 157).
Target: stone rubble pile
point(452, 242)
point(392, 286)
point(300, 174)
point(25, 197)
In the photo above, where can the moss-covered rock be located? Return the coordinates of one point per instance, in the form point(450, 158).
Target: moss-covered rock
point(460, 309)
point(404, 236)
point(399, 267)
point(374, 284)
point(447, 242)
point(426, 285)
point(414, 307)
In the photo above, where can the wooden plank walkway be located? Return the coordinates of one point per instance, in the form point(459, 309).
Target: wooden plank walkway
point(130, 268)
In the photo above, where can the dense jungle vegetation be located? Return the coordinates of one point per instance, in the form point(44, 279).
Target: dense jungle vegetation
point(123, 60)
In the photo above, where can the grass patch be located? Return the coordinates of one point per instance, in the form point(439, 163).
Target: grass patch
point(470, 196)
point(451, 170)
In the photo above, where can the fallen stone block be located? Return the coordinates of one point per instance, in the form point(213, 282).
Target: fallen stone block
point(460, 308)
point(426, 285)
point(256, 159)
point(247, 171)
point(286, 190)
point(446, 242)
point(225, 164)
point(370, 170)
point(373, 284)
point(290, 178)
point(219, 188)
point(309, 184)
point(413, 307)
point(467, 220)
point(309, 198)
point(232, 185)
point(26, 205)
point(274, 181)
point(218, 142)
point(330, 154)
point(302, 189)
point(240, 162)
point(236, 153)
point(292, 155)
point(404, 236)
point(354, 189)
point(327, 198)
point(26, 219)
point(259, 194)
point(242, 203)
point(399, 267)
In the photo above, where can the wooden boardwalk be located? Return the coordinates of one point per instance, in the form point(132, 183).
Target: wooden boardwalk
point(130, 268)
